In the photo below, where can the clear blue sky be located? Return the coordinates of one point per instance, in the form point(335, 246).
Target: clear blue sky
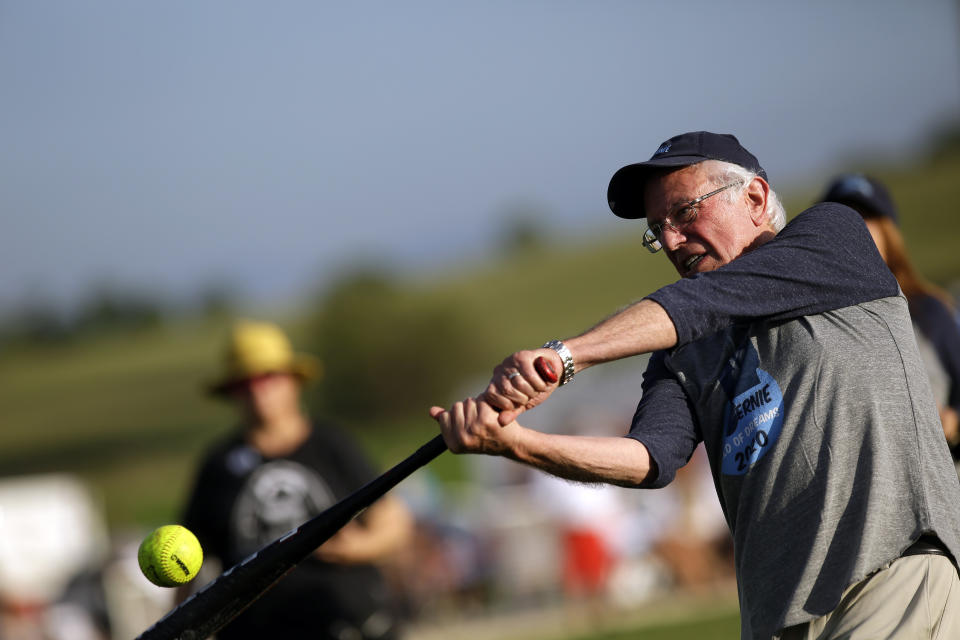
point(161, 145)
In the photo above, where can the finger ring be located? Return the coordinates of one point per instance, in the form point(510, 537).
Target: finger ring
point(513, 375)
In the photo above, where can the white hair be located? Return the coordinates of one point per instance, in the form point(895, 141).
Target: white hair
point(723, 173)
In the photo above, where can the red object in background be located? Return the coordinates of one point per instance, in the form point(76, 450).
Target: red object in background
point(587, 562)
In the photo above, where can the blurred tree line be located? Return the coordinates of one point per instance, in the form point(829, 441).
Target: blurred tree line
point(388, 350)
point(106, 309)
point(389, 353)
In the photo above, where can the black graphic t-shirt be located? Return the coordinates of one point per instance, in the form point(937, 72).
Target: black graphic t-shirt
point(243, 500)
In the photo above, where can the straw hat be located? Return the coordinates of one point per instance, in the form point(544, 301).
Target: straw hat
point(257, 348)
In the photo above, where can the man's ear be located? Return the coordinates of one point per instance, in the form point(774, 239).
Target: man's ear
point(756, 195)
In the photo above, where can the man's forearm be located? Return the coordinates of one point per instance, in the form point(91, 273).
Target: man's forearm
point(612, 460)
point(517, 386)
point(643, 327)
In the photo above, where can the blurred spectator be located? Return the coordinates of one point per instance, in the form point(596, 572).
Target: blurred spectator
point(696, 544)
point(274, 472)
point(931, 308)
point(442, 572)
point(588, 518)
point(52, 530)
point(112, 600)
point(445, 570)
point(624, 546)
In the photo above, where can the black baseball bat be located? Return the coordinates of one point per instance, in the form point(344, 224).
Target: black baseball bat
point(224, 598)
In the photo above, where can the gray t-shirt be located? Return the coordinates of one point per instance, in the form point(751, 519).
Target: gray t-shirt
point(797, 367)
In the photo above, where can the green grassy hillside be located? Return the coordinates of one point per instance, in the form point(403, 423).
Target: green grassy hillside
point(125, 412)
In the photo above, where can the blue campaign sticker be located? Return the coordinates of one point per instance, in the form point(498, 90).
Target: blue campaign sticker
point(752, 424)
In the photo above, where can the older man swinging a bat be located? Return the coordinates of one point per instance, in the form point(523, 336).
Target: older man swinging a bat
point(787, 349)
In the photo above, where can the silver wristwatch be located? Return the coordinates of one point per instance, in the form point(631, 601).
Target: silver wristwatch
point(565, 356)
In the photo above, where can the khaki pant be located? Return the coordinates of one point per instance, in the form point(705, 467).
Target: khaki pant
point(915, 598)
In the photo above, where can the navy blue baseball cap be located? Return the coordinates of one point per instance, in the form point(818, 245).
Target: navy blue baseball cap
point(867, 195)
point(625, 193)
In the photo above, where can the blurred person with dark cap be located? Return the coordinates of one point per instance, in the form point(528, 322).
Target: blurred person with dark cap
point(278, 469)
point(931, 308)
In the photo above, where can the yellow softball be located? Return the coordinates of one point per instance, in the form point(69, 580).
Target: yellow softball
point(170, 556)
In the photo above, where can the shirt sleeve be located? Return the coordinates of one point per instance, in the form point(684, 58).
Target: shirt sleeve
point(823, 259)
point(664, 422)
point(938, 325)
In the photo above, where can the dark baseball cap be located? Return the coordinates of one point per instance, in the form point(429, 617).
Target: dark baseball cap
point(867, 195)
point(625, 193)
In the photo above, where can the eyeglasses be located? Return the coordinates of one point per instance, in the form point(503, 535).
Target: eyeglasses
point(684, 215)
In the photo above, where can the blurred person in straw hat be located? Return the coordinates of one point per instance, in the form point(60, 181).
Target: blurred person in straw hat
point(277, 469)
point(931, 308)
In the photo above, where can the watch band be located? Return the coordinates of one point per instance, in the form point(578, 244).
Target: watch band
point(565, 357)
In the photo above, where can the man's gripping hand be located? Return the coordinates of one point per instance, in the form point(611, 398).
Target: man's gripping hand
point(519, 383)
point(472, 426)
